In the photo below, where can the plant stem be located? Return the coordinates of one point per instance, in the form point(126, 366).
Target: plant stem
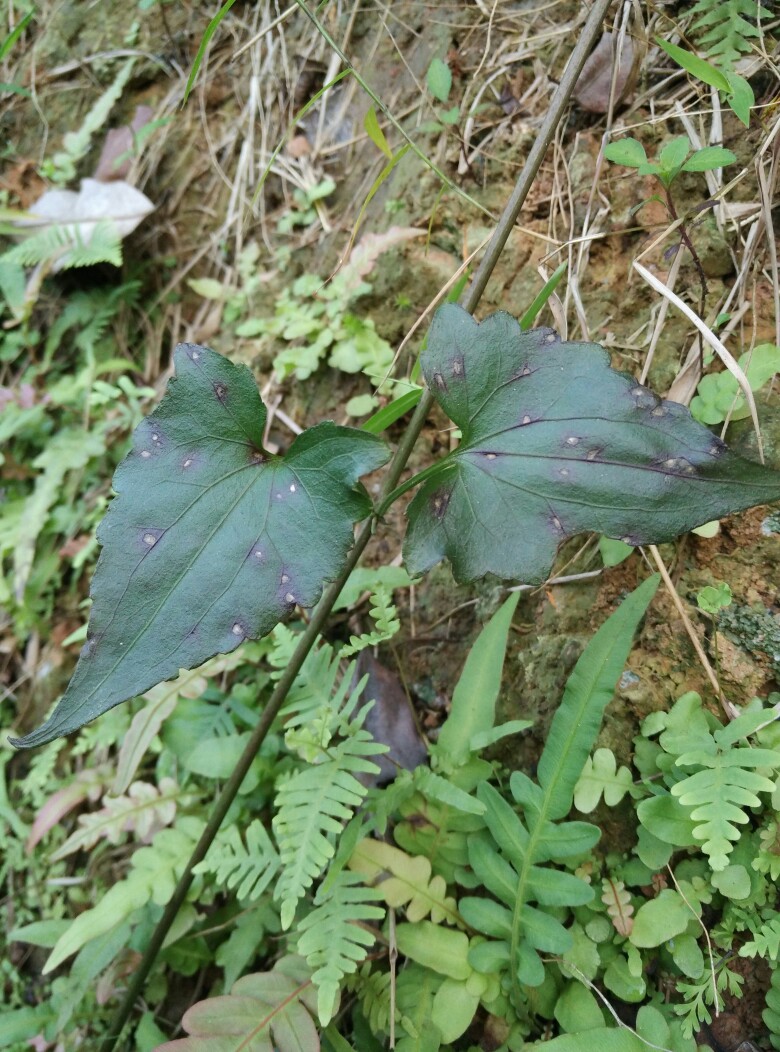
point(322, 612)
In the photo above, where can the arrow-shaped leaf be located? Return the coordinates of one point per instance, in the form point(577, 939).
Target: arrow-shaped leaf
point(211, 540)
point(556, 442)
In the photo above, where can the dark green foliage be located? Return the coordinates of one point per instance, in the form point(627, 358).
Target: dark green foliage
point(555, 443)
point(212, 540)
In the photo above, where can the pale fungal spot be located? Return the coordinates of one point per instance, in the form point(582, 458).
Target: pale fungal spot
point(150, 539)
point(292, 487)
point(220, 391)
point(716, 450)
point(626, 539)
point(290, 598)
point(457, 368)
point(526, 419)
point(237, 629)
point(145, 453)
point(490, 456)
point(258, 554)
point(557, 523)
point(637, 392)
point(187, 462)
point(155, 438)
point(670, 463)
point(572, 440)
point(195, 356)
point(285, 578)
point(526, 370)
point(551, 338)
point(438, 380)
point(658, 411)
point(278, 496)
point(564, 473)
point(592, 454)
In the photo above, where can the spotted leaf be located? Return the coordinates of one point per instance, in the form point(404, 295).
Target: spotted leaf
point(211, 539)
point(555, 442)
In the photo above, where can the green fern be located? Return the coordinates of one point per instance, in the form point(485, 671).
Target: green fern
point(699, 997)
point(248, 868)
point(771, 1014)
point(765, 942)
point(313, 805)
point(727, 29)
point(385, 615)
point(61, 169)
point(153, 875)
point(522, 918)
point(726, 784)
point(65, 245)
point(332, 938)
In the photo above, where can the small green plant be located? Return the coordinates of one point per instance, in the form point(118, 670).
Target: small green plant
point(304, 209)
point(676, 156)
point(439, 81)
point(718, 396)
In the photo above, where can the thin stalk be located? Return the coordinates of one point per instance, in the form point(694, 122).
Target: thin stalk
point(322, 612)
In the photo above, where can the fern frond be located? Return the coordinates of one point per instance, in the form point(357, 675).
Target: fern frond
point(728, 28)
point(374, 988)
point(66, 246)
point(332, 939)
point(77, 143)
point(246, 868)
point(385, 615)
point(312, 808)
point(619, 905)
point(718, 794)
point(403, 880)
point(263, 1011)
point(144, 809)
point(765, 942)
point(153, 875)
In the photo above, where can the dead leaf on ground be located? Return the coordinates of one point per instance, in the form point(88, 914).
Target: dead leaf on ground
point(116, 155)
point(592, 91)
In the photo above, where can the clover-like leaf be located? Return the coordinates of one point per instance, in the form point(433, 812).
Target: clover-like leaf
point(211, 540)
point(555, 442)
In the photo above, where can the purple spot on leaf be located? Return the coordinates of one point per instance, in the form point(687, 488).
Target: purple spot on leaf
point(220, 390)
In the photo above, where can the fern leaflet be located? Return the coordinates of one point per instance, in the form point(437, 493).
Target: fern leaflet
point(385, 615)
point(403, 880)
point(729, 28)
point(718, 794)
point(332, 939)
point(248, 868)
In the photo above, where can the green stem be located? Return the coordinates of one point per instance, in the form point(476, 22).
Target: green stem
point(322, 612)
point(439, 468)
